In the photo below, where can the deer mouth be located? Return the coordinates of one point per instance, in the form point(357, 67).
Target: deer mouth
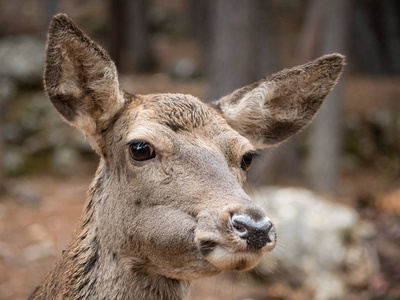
point(234, 239)
point(226, 258)
point(238, 255)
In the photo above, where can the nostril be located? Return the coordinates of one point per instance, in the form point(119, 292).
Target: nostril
point(240, 226)
point(255, 233)
point(265, 226)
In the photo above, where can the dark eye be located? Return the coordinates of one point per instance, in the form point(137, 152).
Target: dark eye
point(141, 150)
point(247, 159)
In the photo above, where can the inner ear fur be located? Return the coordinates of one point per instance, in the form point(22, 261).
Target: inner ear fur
point(80, 78)
point(271, 110)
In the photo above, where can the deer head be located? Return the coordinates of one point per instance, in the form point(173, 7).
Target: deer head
point(168, 198)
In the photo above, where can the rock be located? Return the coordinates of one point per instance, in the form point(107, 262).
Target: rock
point(7, 89)
point(40, 250)
point(34, 137)
point(25, 195)
point(65, 160)
point(13, 160)
point(6, 253)
point(322, 246)
point(22, 58)
point(184, 69)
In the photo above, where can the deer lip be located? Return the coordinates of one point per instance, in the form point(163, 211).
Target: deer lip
point(238, 258)
point(206, 247)
point(226, 258)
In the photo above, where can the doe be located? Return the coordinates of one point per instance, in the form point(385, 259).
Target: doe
point(167, 204)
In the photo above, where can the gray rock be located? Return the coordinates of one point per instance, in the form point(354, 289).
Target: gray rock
point(7, 89)
point(22, 58)
point(38, 251)
point(13, 160)
point(184, 69)
point(65, 160)
point(25, 195)
point(322, 245)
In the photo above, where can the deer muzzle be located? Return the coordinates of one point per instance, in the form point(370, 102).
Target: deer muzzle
point(236, 238)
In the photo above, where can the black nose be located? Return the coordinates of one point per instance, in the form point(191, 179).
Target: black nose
point(255, 233)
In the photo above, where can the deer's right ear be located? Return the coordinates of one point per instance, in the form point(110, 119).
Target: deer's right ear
point(276, 107)
point(80, 78)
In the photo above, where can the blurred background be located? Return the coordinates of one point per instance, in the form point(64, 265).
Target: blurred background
point(333, 189)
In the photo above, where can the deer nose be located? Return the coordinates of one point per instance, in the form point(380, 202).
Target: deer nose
point(256, 233)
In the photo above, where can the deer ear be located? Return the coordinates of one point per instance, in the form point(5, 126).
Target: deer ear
point(276, 107)
point(80, 78)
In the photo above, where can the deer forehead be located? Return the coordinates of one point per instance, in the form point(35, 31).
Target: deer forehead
point(177, 119)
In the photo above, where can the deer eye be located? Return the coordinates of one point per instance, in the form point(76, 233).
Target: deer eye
point(141, 150)
point(247, 159)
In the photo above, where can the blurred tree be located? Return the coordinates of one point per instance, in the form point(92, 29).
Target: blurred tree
point(325, 139)
point(242, 50)
point(241, 47)
point(200, 21)
point(117, 31)
point(2, 177)
point(283, 164)
point(130, 45)
point(375, 43)
point(391, 23)
point(2, 171)
point(232, 45)
point(139, 42)
point(307, 41)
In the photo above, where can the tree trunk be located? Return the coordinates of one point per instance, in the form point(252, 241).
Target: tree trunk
point(117, 31)
point(2, 177)
point(310, 33)
point(200, 21)
point(265, 58)
point(138, 38)
point(242, 51)
point(2, 171)
point(365, 49)
point(232, 45)
point(391, 34)
point(130, 44)
point(325, 148)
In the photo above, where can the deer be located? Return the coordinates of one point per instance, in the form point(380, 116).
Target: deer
point(167, 203)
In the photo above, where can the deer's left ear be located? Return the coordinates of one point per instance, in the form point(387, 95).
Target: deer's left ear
point(80, 78)
point(276, 107)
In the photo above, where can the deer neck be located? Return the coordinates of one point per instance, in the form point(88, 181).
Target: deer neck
point(90, 269)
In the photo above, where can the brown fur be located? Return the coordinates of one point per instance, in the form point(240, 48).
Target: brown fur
point(149, 227)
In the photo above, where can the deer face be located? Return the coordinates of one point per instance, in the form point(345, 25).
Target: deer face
point(169, 185)
point(180, 173)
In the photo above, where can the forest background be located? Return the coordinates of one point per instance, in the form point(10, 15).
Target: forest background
point(350, 154)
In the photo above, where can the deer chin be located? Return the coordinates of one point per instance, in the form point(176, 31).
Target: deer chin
point(225, 258)
point(239, 257)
